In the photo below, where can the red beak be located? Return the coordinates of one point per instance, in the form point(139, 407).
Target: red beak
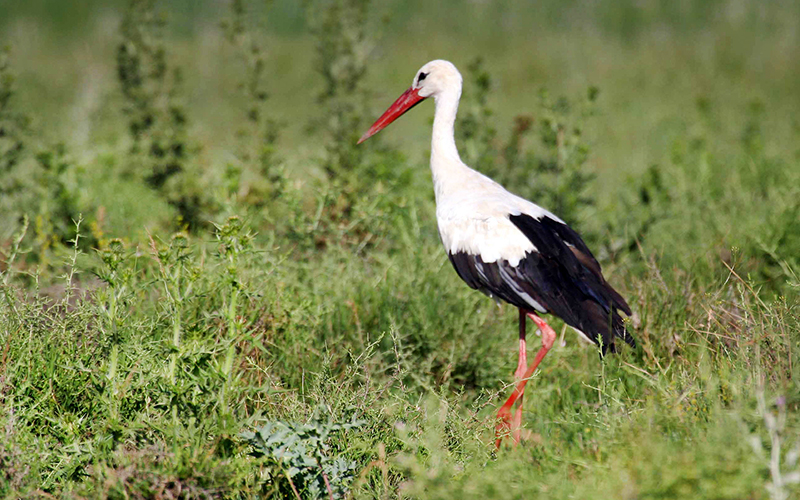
point(406, 101)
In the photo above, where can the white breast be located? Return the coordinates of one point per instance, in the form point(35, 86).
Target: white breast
point(473, 218)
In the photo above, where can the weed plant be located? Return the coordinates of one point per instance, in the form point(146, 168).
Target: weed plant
point(256, 178)
point(14, 136)
point(157, 121)
point(362, 182)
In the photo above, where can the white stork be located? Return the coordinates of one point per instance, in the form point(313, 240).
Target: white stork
point(506, 246)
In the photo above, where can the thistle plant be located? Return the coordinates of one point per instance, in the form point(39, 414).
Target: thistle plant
point(9, 258)
point(15, 135)
point(257, 134)
point(305, 456)
point(60, 201)
point(157, 121)
point(234, 242)
point(117, 274)
point(72, 267)
point(565, 152)
point(343, 43)
point(363, 190)
point(177, 275)
point(340, 27)
point(14, 126)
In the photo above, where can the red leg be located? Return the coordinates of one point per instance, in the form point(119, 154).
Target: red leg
point(504, 414)
point(522, 364)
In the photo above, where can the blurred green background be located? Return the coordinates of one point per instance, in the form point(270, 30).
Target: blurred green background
point(652, 61)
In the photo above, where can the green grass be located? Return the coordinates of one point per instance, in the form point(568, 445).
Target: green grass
point(288, 285)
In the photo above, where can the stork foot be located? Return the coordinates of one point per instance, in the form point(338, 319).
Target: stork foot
point(504, 427)
point(512, 426)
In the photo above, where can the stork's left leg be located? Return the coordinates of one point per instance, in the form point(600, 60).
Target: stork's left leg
point(504, 414)
point(522, 365)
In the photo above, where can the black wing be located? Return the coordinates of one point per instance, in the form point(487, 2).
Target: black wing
point(561, 277)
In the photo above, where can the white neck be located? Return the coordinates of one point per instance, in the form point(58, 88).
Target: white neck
point(446, 164)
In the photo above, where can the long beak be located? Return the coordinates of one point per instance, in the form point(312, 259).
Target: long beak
point(406, 101)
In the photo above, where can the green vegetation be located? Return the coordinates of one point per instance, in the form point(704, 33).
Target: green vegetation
point(207, 290)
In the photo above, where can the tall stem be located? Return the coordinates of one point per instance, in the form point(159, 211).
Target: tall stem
point(233, 334)
point(176, 344)
point(112, 313)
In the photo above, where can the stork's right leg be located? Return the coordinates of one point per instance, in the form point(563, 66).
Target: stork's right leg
point(504, 414)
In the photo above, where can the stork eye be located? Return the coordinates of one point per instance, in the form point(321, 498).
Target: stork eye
point(421, 77)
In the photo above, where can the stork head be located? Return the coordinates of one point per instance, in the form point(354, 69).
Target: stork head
point(433, 79)
point(436, 77)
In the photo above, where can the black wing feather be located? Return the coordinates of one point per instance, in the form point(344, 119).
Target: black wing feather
point(562, 276)
point(578, 248)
